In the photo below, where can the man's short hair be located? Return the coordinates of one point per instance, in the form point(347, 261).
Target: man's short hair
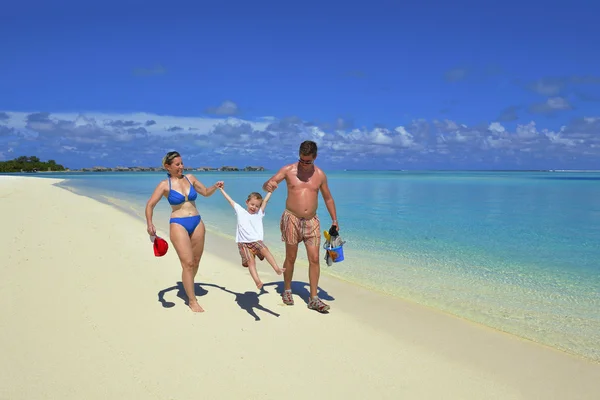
point(308, 148)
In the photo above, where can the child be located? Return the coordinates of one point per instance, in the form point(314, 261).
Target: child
point(249, 233)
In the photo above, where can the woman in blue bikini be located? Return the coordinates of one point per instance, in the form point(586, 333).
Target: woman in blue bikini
point(186, 225)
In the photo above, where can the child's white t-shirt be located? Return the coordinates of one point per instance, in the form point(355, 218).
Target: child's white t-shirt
point(249, 226)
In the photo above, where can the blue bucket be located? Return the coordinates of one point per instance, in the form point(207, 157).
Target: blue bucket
point(336, 253)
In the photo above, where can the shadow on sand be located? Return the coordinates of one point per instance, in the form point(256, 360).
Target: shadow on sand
point(301, 289)
point(247, 301)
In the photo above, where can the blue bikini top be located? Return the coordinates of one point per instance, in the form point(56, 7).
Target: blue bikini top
point(175, 198)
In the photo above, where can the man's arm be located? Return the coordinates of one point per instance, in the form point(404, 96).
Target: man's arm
point(329, 202)
point(265, 200)
point(275, 180)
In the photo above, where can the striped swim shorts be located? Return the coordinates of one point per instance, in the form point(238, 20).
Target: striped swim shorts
point(295, 230)
point(249, 250)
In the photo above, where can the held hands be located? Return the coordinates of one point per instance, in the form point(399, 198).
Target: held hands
point(271, 185)
point(220, 185)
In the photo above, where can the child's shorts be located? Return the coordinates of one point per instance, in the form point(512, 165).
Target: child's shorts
point(249, 250)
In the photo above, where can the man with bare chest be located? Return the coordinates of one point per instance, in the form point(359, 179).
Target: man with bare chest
point(299, 222)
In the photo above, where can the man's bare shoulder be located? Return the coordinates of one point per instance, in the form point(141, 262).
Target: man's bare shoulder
point(289, 168)
point(320, 172)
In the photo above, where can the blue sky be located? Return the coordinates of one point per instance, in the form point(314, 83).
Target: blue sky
point(378, 84)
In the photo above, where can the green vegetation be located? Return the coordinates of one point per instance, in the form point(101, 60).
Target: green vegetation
point(29, 164)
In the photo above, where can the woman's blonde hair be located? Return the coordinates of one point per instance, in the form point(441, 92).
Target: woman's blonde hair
point(169, 157)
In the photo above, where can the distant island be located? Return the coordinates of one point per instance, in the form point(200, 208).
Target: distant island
point(150, 169)
point(30, 164)
point(34, 164)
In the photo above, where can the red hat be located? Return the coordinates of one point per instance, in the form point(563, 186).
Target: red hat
point(160, 247)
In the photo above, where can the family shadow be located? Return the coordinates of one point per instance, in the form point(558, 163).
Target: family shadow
point(199, 291)
point(248, 301)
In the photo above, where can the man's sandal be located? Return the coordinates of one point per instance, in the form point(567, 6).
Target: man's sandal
point(287, 298)
point(317, 304)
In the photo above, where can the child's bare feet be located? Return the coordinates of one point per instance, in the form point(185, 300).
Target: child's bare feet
point(259, 285)
point(195, 307)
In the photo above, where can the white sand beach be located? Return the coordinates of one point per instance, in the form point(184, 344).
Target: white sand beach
point(88, 312)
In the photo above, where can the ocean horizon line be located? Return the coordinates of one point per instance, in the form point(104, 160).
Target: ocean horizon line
point(264, 169)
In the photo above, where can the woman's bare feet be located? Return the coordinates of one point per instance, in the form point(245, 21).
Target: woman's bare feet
point(195, 307)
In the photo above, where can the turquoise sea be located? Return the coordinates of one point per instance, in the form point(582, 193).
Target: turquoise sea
point(516, 251)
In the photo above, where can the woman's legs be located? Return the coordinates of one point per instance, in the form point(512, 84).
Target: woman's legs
point(197, 239)
point(184, 245)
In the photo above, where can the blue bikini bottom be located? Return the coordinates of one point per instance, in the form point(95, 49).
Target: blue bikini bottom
point(189, 223)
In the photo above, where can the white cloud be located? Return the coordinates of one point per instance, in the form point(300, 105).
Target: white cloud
point(548, 86)
point(496, 127)
point(7, 155)
point(161, 126)
point(404, 138)
point(558, 103)
point(496, 143)
point(450, 125)
point(551, 105)
point(528, 131)
point(557, 138)
point(380, 136)
point(117, 138)
point(228, 107)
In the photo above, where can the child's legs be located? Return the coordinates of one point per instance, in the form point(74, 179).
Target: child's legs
point(270, 259)
point(253, 273)
point(249, 262)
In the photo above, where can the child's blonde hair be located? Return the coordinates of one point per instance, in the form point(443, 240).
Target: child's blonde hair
point(256, 195)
